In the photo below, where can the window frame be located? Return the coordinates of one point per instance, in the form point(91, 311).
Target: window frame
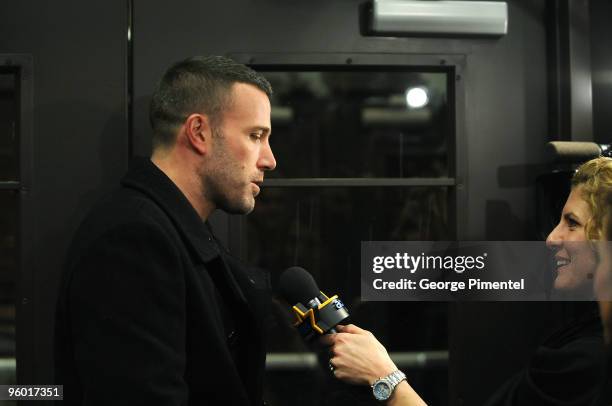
point(24, 317)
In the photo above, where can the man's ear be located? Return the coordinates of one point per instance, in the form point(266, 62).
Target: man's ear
point(198, 132)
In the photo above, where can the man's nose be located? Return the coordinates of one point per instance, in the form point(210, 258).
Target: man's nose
point(267, 162)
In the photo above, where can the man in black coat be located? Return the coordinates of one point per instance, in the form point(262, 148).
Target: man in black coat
point(153, 310)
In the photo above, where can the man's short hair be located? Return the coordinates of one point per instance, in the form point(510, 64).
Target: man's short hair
point(199, 84)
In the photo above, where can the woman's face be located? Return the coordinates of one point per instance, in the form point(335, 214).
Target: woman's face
point(575, 261)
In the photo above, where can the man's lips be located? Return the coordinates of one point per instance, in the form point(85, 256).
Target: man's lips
point(257, 184)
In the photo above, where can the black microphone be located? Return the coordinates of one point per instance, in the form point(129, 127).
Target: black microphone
point(316, 313)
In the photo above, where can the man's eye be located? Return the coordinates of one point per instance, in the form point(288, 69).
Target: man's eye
point(255, 136)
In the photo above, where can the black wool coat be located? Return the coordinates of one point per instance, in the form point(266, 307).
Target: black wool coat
point(152, 310)
point(565, 370)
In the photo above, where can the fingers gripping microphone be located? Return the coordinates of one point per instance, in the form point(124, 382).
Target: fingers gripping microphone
point(316, 313)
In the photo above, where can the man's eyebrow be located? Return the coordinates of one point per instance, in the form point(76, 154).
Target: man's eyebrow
point(261, 128)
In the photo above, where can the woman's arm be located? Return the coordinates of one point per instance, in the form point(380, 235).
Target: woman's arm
point(359, 358)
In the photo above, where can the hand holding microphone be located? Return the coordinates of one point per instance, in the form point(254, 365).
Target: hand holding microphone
point(357, 357)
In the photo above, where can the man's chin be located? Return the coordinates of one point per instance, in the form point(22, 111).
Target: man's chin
point(244, 208)
point(248, 210)
point(249, 205)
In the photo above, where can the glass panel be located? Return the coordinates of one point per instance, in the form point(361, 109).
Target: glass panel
point(9, 113)
point(321, 229)
point(8, 269)
point(361, 124)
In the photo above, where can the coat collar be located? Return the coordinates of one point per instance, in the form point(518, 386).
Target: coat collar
point(147, 178)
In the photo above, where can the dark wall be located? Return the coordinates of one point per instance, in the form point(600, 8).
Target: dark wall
point(79, 146)
point(601, 65)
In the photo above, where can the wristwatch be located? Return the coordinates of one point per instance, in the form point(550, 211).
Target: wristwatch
point(383, 387)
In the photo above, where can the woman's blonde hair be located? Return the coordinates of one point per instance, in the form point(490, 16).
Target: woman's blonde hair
point(595, 179)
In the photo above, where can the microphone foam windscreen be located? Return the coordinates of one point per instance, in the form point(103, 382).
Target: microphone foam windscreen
point(572, 151)
point(297, 285)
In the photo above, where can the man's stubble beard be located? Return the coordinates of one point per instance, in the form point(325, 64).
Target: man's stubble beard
point(217, 180)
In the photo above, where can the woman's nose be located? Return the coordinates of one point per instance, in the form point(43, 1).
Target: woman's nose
point(555, 238)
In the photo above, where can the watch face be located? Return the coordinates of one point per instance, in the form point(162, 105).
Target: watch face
point(382, 390)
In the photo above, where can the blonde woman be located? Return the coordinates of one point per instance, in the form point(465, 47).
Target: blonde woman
point(566, 368)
